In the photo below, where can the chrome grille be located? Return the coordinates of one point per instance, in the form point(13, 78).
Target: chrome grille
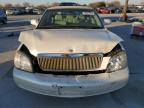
point(83, 63)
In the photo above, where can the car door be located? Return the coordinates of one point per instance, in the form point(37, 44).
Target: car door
point(1, 15)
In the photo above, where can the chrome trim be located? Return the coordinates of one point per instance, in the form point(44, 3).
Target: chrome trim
point(51, 55)
point(70, 62)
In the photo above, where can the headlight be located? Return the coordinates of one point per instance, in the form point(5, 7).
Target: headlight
point(23, 62)
point(117, 62)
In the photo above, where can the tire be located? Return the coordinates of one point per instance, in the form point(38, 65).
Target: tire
point(4, 21)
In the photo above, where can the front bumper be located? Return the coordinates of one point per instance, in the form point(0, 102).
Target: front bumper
point(71, 86)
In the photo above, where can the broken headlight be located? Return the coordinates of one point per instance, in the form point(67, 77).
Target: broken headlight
point(117, 62)
point(22, 61)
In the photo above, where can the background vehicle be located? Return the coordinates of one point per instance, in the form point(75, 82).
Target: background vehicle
point(137, 30)
point(115, 10)
point(29, 10)
point(9, 12)
point(3, 17)
point(68, 4)
point(135, 19)
point(105, 11)
point(37, 11)
point(97, 10)
point(13, 12)
point(134, 10)
point(108, 10)
point(142, 9)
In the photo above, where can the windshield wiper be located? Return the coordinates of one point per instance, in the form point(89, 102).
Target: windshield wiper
point(69, 27)
point(88, 27)
point(50, 27)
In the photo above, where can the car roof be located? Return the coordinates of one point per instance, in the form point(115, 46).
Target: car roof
point(70, 7)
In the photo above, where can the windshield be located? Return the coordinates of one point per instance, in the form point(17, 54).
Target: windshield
point(70, 18)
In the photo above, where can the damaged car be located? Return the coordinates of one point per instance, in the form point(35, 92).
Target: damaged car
point(70, 54)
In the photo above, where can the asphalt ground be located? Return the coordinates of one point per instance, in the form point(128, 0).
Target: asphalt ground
point(11, 96)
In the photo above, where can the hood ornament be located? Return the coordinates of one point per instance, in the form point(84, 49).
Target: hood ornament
point(71, 50)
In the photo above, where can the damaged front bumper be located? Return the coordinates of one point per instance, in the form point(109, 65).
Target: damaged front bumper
point(71, 86)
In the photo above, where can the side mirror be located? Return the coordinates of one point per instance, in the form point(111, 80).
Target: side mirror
point(34, 22)
point(107, 21)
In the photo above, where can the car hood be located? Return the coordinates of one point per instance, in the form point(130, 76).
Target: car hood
point(69, 41)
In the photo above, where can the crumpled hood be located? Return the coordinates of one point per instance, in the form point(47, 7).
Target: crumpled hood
point(69, 41)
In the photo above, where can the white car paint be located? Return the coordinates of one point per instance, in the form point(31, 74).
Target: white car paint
point(61, 41)
point(71, 86)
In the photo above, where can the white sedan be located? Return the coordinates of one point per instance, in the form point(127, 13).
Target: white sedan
point(70, 54)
